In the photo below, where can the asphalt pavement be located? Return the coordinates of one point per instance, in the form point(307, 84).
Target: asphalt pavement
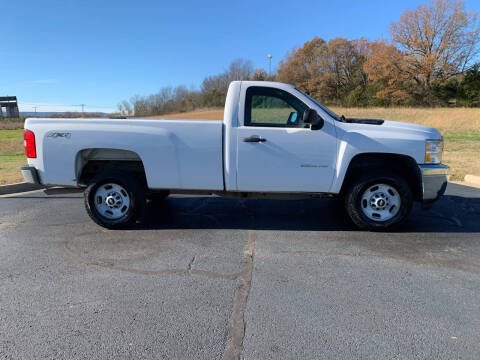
point(213, 278)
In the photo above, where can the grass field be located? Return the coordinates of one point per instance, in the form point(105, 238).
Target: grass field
point(459, 126)
point(11, 124)
point(12, 156)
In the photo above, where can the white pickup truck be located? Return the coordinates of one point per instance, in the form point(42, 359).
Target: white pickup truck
point(275, 141)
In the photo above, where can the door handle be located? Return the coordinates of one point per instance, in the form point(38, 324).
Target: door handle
point(254, 138)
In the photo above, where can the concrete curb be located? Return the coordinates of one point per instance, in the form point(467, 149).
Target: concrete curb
point(18, 188)
point(472, 179)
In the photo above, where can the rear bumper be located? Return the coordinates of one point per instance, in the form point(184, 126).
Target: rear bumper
point(30, 174)
point(434, 181)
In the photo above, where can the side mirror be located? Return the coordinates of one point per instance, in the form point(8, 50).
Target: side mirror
point(311, 117)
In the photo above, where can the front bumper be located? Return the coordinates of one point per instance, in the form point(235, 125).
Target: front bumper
point(30, 174)
point(434, 181)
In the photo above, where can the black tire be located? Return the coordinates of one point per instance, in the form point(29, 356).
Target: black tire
point(353, 201)
point(136, 194)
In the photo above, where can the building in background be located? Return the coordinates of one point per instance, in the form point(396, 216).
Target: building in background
point(11, 107)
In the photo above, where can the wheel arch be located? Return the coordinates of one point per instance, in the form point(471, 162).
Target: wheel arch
point(92, 161)
point(401, 165)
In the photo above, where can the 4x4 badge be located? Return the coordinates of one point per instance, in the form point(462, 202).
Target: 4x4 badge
point(65, 135)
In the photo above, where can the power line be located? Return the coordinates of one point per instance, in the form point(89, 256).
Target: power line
point(65, 105)
point(59, 108)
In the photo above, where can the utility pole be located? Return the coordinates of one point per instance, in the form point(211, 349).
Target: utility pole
point(82, 105)
point(269, 56)
point(35, 109)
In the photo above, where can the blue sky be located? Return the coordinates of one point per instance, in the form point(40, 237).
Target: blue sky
point(101, 52)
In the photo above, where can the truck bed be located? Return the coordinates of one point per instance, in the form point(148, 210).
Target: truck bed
point(176, 153)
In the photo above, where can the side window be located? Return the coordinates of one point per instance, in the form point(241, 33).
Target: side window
point(269, 107)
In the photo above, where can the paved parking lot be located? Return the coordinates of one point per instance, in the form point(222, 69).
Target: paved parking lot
point(212, 278)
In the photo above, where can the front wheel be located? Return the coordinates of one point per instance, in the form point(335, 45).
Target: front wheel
point(115, 200)
point(378, 202)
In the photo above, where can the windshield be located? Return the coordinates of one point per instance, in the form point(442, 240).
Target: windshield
point(323, 107)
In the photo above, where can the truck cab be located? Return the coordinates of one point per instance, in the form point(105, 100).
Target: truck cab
point(269, 147)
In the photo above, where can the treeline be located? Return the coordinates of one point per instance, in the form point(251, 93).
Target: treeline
point(180, 99)
point(429, 61)
point(76, 114)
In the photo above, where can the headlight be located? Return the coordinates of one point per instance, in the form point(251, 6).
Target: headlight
point(433, 151)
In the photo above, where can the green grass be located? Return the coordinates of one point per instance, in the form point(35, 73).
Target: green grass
point(9, 156)
point(12, 156)
point(6, 135)
point(462, 136)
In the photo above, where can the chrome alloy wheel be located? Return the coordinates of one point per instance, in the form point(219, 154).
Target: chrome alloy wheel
point(380, 202)
point(112, 201)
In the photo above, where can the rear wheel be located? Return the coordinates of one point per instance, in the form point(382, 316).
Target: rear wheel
point(378, 202)
point(115, 200)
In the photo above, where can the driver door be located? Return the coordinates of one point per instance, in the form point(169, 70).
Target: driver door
point(277, 152)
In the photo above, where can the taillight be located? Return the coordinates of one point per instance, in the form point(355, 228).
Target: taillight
point(29, 143)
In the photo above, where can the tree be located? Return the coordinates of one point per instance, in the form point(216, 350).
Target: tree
point(140, 107)
point(346, 65)
point(468, 92)
point(240, 69)
point(385, 67)
point(260, 75)
point(306, 67)
point(326, 71)
point(439, 39)
point(214, 88)
point(125, 108)
point(120, 108)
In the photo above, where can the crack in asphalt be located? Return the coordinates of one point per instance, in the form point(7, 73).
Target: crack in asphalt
point(189, 266)
point(177, 271)
point(236, 330)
